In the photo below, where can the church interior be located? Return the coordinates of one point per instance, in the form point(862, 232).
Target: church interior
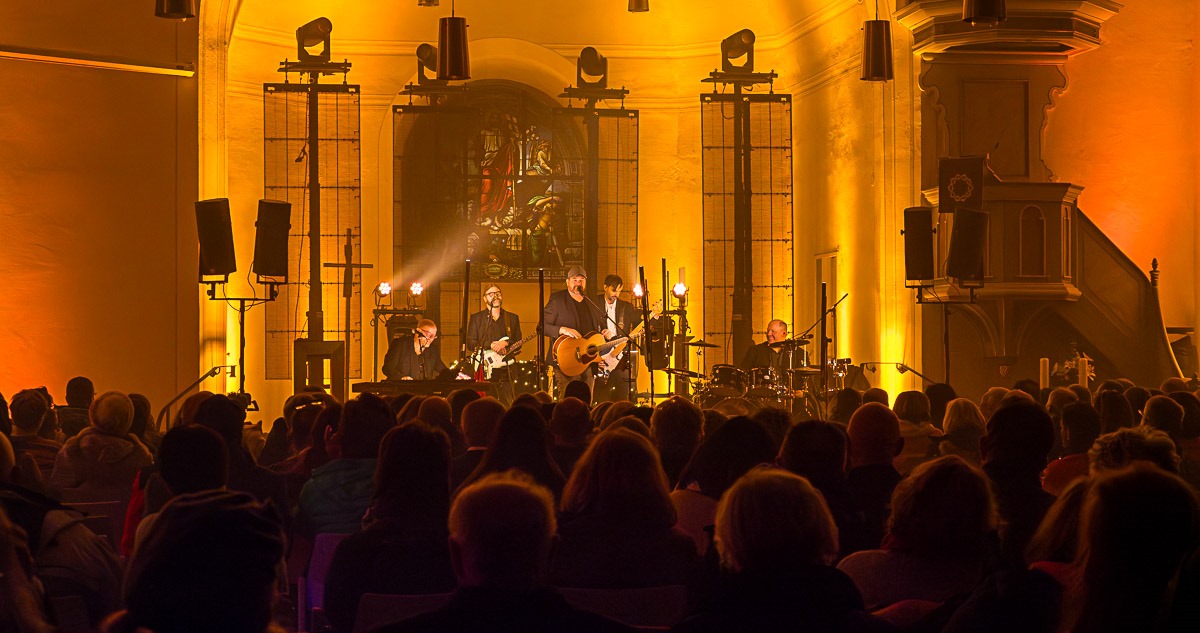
point(117, 122)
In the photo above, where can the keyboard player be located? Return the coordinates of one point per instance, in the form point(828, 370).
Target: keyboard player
point(415, 358)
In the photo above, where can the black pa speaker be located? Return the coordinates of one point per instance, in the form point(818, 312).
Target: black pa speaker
point(215, 231)
point(918, 244)
point(968, 246)
point(271, 239)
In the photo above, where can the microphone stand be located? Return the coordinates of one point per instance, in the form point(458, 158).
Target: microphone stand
point(539, 363)
point(649, 357)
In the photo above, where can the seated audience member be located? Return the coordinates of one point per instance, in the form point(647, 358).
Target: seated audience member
point(521, 442)
point(210, 564)
point(1172, 385)
point(721, 458)
point(479, 420)
point(73, 417)
point(570, 428)
point(676, 428)
point(1082, 393)
point(100, 462)
point(1013, 450)
point(940, 395)
point(816, 451)
point(501, 535)
point(527, 400)
point(403, 547)
point(27, 409)
point(1029, 386)
point(1189, 437)
point(142, 426)
point(874, 434)
point(598, 412)
point(963, 426)
point(1164, 414)
point(991, 401)
point(578, 389)
point(299, 442)
point(411, 409)
point(875, 394)
point(1055, 544)
point(5, 421)
point(776, 541)
point(845, 401)
point(912, 409)
point(436, 412)
point(278, 446)
point(338, 493)
point(776, 421)
point(192, 459)
point(227, 417)
point(1115, 412)
point(1139, 524)
point(67, 558)
point(21, 592)
point(616, 520)
point(941, 532)
point(1116, 450)
point(1137, 397)
point(1055, 402)
point(1079, 427)
point(631, 423)
point(459, 399)
point(616, 411)
point(713, 420)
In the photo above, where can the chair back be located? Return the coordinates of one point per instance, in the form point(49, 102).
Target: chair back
point(323, 548)
point(105, 518)
point(377, 609)
point(646, 608)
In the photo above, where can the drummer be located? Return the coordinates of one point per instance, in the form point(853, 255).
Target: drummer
point(762, 355)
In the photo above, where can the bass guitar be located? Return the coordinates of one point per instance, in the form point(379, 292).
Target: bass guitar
point(611, 360)
point(490, 360)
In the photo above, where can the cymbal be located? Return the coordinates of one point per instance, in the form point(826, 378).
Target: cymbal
point(806, 371)
point(683, 373)
point(702, 344)
point(791, 342)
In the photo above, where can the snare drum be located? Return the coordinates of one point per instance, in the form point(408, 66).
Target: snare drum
point(763, 377)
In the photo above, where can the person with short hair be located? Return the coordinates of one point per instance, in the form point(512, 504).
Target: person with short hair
point(1115, 411)
point(763, 354)
point(73, 416)
point(876, 394)
point(1079, 426)
point(916, 427)
point(776, 541)
point(620, 318)
point(1189, 437)
point(502, 532)
point(1123, 447)
point(100, 462)
point(875, 441)
point(27, 410)
point(677, 426)
point(193, 458)
point(816, 450)
point(492, 333)
point(522, 442)
point(1164, 414)
point(418, 357)
point(1013, 449)
point(570, 312)
point(570, 428)
point(479, 421)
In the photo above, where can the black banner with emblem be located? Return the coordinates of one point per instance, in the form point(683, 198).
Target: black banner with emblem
point(960, 183)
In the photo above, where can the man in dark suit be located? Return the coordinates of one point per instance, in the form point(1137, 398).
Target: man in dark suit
point(416, 358)
point(569, 312)
point(493, 330)
point(620, 317)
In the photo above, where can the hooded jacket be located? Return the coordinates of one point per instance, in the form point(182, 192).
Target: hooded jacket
point(98, 465)
point(336, 497)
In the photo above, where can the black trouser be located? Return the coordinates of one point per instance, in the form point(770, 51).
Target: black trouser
point(561, 380)
point(613, 388)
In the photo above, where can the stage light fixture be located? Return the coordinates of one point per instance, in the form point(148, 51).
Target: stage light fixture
point(591, 69)
point(311, 35)
point(984, 12)
point(737, 46)
point(877, 51)
point(384, 289)
point(639, 6)
point(175, 9)
point(428, 3)
point(454, 63)
point(679, 290)
point(638, 291)
point(427, 59)
point(416, 289)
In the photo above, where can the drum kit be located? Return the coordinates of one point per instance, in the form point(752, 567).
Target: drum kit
point(789, 387)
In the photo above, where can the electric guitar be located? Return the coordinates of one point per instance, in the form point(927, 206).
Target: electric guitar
point(575, 355)
point(490, 360)
point(611, 360)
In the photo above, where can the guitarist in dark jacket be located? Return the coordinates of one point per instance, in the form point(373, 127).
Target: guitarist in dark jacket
point(493, 330)
point(620, 318)
point(569, 312)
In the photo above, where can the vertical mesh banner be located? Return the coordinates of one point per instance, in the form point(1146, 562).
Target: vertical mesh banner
point(286, 177)
point(770, 218)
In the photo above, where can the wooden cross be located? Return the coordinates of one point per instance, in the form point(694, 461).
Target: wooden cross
point(348, 289)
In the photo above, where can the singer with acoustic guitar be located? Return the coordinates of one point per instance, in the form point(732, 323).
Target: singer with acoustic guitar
point(570, 312)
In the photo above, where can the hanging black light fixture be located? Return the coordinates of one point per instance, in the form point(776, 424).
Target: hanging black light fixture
point(877, 49)
point(454, 63)
point(984, 12)
point(428, 3)
point(175, 9)
point(639, 6)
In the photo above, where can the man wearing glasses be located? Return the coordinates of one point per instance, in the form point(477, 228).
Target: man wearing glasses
point(418, 358)
point(491, 333)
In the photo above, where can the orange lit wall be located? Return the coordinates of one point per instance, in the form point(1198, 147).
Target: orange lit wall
point(97, 176)
point(1125, 129)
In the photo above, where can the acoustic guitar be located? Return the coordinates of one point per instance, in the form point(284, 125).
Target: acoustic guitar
point(575, 355)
